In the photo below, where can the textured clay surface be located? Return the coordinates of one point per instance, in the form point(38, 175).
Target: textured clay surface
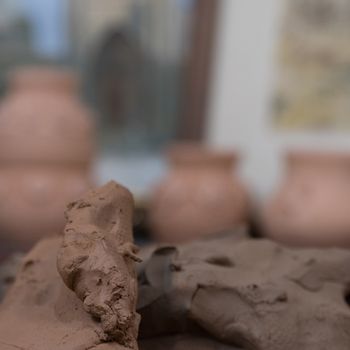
point(216, 294)
point(252, 294)
point(96, 261)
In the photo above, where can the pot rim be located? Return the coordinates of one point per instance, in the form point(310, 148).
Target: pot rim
point(43, 77)
point(187, 153)
point(317, 156)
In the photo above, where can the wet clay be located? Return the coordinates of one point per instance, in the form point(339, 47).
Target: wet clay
point(215, 294)
point(252, 294)
point(96, 260)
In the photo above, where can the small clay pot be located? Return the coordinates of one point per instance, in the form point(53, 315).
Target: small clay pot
point(200, 196)
point(42, 119)
point(312, 205)
point(46, 150)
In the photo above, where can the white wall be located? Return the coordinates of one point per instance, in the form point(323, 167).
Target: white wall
point(242, 86)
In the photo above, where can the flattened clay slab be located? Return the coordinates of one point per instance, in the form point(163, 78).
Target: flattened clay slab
point(41, 313)
point(254, 294)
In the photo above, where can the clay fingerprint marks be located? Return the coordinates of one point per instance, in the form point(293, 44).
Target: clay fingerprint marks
point(97, 261)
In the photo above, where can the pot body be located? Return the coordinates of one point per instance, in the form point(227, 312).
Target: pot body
point(46, 150)
point(42, 119)
point(312, 205)
point(200, 196)
point(33, 200)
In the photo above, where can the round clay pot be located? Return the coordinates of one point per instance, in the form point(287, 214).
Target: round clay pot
point(200, 195)
point(312, 205)
point(43, 120)
point(46, 150)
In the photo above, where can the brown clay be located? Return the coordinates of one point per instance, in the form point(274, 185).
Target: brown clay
point(252, 294)
point(200, 196)
point(96, 260)
point(46, 150)
point(213, 294)
point(41, 313)
point(312, 205)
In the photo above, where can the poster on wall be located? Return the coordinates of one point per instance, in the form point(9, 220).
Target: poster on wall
point(313, 80)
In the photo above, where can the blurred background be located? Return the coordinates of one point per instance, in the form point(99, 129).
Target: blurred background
point(162, 70)
point(255, 78)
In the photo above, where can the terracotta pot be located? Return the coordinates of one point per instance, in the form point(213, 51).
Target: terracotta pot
point(200, 196)
point(46, 149)
point(312, 205)
point(43, 120)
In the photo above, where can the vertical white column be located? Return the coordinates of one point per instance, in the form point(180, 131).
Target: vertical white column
point(241, 87)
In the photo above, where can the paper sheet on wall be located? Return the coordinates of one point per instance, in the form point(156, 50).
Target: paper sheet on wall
point(313, 81)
